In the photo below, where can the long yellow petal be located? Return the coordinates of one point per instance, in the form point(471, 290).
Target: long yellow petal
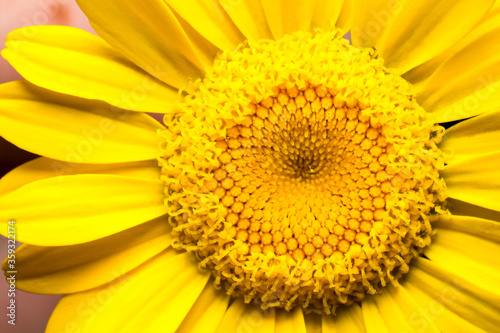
point(70, 269)
point(374, 322)
point(285, 17)
point(344, 22)
point(155, 297)
point(207, 312)
point(234, 314)
point(418, 318)
point(438, 314)
point(370, 21)
point(326, 14)
point(241, 317)
point(458, 207)
point(475, 180)
point(203, 47)
point(426, 28)
point(248, 16)
point(292, 321)
point(453, 309)
point(210, 20)
point(468, 83)
point(477, 136)
point(43, 167)
point(482, 228)
point(419, 75)
point(75, 62)
point(72, 129)
point(392, 314)
point(155, 41)
point(479, 280)
point(76, 209)
point(478, 249)
point(313, 323)
point(349, 319)
point(408, 33)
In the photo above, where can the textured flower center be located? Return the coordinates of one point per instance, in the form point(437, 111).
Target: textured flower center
point(302, 173)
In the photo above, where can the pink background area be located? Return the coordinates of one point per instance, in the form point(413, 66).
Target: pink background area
point(32, 311)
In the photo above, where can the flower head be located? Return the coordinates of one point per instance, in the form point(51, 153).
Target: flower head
point(297, 178)
point(302, 172)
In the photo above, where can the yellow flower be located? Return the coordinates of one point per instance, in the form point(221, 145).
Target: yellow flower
point(300, 183)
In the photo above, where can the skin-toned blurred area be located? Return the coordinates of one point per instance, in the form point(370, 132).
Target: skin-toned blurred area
point(32, 311)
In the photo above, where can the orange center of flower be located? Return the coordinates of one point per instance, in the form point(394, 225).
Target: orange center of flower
point(302, 173)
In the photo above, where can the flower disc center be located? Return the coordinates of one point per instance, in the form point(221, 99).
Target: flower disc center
point(315, 176)
point(302, 173)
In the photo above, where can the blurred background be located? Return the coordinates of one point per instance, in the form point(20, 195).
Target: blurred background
point(32, 311)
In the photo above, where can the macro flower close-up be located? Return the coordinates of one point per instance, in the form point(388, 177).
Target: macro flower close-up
point(320, 166)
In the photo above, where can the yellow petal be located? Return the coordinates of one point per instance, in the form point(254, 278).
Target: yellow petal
point(73, 129)
point(478, 249)
point(476, 136)
point(326, 14)
point(453, 309)
point(43, 168)
point(210, 20)
point(155, 297)
point(344, 22)
point(374, 322)
point(475, 180)
point(370, 20)
point(392, 313)
point(468, 83)
point(248, 16)
point(472, 276)
point(313, 323)
point(440, 316)
point(463, 251)
point(75, 62)
point(458, 207)
point(147, 33)
point(76, 209)
point(203, 47)
point(292, 321)
point(419, 75)
point(482, 228)
point(207, 312)
point(268, 324)
point(411, 32)
point(285, 17)
point(232, 317)
point(349, 319)
point(424, 29)
point(241, 317)
point(417, 316)
point(70, 269)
